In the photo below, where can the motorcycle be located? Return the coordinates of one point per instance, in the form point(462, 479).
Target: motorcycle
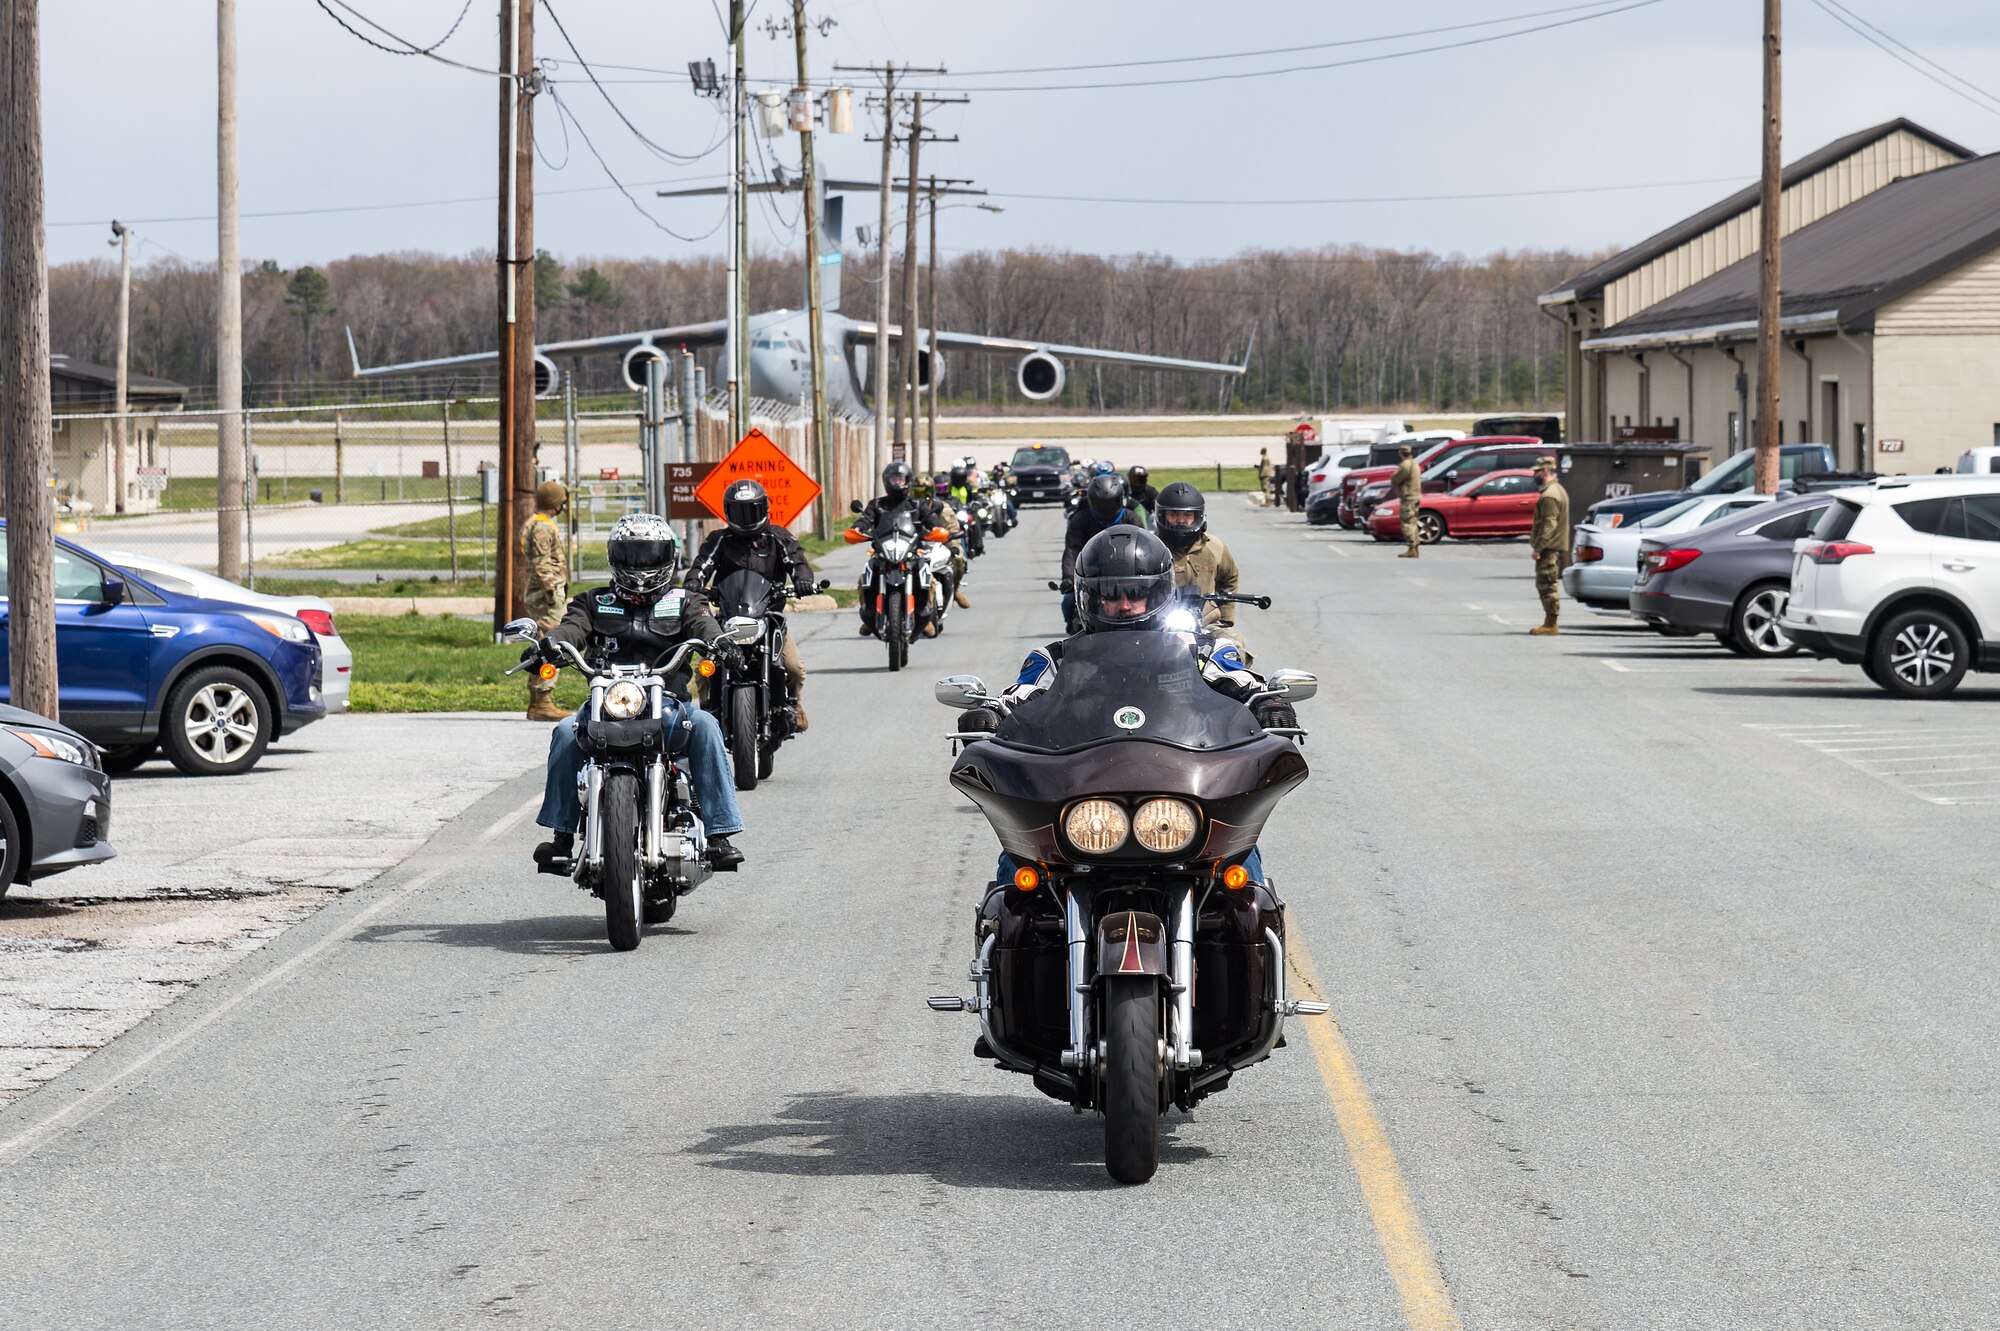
point(1000, 499)
point(752, 700)
point(907, 579)
point(975, 516)
point(1129, 794)
point(642, 845)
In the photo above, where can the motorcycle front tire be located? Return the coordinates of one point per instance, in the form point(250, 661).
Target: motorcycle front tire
point(896, 630)
point(743, 737)
point(1131, 1077)
point(624, 893)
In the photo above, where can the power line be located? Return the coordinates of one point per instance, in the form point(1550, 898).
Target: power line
point(1374, 198)
point(612, 176)
point(407, 50)
point(1868, 32)
point(657, 149)
point(404, 45)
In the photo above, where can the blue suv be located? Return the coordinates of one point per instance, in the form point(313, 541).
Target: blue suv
point(140, 668)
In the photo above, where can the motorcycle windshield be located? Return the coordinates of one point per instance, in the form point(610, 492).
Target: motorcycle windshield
point(744, 592)
point(1117, 686)
point(896, 520)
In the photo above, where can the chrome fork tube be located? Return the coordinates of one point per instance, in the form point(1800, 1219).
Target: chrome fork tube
point(1078, 1053)
point(593, 832)
point(1186, 1056)
point(656, 838)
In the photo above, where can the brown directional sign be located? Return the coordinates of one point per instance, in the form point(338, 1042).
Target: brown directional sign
point(683, 479)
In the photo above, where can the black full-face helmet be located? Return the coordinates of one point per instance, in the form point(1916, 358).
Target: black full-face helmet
point(746, 507)
point(1106, 497)
point(896, 480)
point(1124, 580)
point(1136, 477)
point(643, 554)
point(957, 477)
point(1181, 516)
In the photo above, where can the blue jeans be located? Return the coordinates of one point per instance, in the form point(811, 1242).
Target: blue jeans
point(707, 768)
point(1254, 862)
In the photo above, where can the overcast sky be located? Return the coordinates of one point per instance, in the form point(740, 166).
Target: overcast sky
point(1665, 92)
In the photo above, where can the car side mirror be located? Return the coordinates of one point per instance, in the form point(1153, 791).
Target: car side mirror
point(961, 691)
point(518, 630)
point(1294, 685)
point(854, 506)
point(742, 631)
point(1451, 475)
point(114, 591)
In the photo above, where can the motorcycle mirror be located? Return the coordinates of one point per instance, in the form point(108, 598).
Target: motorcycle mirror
point(961, 691)
point(518, 630)
point(824, 583)
point(1294, 685)
point(854, 506)
point(742, 631)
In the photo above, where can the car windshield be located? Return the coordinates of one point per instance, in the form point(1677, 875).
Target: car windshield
point(1731, 475)
point(1472, 485)
point(1666, 515)
point(1040, 457)
point(1136, 685)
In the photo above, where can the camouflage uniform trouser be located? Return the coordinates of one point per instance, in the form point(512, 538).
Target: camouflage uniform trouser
point(795, 666)
point(1548, 580)
point(1410, 511)
point(546, 609)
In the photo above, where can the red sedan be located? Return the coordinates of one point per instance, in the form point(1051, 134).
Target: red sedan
point(1500, 503)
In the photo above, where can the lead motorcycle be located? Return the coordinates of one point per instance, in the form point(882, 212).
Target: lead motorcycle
point(753, 700)
point(642, 845)
point(1132, 963)
point(907, 578)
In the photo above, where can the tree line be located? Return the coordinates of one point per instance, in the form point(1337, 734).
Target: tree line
point(1340, 328)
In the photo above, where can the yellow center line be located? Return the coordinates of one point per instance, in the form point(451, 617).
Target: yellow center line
point(1427, 1304)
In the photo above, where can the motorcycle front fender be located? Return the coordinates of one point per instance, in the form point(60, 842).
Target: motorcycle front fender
point(1131, 942)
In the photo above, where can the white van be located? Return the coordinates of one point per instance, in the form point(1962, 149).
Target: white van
point(1981, 461)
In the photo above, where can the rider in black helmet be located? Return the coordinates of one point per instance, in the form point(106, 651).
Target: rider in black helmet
point(750, 541)
point(898, 485)
point(1104, 506)
point(1144, 496)
point(1201, 560)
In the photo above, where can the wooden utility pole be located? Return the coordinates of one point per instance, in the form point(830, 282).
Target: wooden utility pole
point(739, 345)
point(931, 321)
point(230, 496)
point(122, 238)
point(516, 279)
point(906, 389)
point(822, 446)
point(1769, 344)
point(24, 361)
point(883, 405)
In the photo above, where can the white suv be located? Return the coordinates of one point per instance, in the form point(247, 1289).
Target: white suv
point(1902, 578)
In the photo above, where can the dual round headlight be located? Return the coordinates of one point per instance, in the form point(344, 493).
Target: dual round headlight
point(1100, 826)
point(623, 701)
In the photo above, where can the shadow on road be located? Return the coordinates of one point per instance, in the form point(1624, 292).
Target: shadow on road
point(1850, 692)
point(961, 1141)
point(546, 936)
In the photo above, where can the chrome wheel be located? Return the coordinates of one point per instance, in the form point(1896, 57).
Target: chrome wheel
point(1922, 654)
point(221, 722)
point(1759, 626)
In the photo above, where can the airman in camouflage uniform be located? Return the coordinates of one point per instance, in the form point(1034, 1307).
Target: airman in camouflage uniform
point(1408, 483)
point(547, 590)
point(1549, 544)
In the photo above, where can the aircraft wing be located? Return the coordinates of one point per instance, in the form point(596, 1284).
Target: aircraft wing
point(864, 330)
point(709, 334)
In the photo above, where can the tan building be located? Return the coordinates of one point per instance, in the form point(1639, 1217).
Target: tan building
point(1612, 384)
point(82, 396)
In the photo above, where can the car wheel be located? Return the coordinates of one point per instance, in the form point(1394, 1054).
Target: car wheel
point(216, 723)
point(128, 757)
point(1920, 654)
point(1756, 622)
point(1730, 641)
point(13, 845)
point(1430, 527)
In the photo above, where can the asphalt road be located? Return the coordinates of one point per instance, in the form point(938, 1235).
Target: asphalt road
point(1664, 1000)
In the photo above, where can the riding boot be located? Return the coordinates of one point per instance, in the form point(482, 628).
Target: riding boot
point(542, 707)
point(958, 598)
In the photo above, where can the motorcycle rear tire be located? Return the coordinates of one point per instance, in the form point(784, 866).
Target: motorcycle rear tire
point(1131, 1077)
point(624, 894)
point(743, 737)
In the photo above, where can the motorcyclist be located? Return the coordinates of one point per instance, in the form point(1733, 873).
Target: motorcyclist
point(638, 619)
point(1144, 497)
point(924, 490)
point(959, 492)
point(1125, 583)
point(750, 541)
point(899, 494)
point(1201, 560)
point(1104, 506)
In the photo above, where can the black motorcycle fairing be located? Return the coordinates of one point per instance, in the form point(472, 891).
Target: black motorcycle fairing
point(1122, 686)
point(746, 593)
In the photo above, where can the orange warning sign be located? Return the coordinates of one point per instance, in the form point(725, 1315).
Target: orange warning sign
point(756, 458)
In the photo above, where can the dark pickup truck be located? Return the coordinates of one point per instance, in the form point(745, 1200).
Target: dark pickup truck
point(1041, 474)
point(1736, 473)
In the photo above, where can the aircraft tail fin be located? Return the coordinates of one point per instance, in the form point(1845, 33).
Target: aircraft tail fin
point(829, 251)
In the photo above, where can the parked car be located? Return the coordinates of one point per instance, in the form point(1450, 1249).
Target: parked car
point(1041, 474)
point(1349, 514)
point(1333, 464)
point(1738, 473)
point(1979, 461)
point(1453, 466)
point(1902, 577)
point(1605, 560)
point(337, 658)
point(55, 799)
point(140, 666)
point(1730, 579)
point(1500, 503)
point(1549, 429)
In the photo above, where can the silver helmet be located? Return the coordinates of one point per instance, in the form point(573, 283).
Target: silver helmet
point(643, 552)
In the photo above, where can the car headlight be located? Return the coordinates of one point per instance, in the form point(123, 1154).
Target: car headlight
point(55, 744)
point(1096, 827)
point(283, 626)
point(1165, 825)
point(623, 700)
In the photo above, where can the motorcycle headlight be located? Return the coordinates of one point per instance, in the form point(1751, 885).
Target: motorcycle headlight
point(1165, 826)
point(896, 548)
point(1096, 827)
point(623, 700)
point(52, 744)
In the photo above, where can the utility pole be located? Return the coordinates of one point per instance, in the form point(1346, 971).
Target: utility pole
point(906, 388)
point(24, 361)
point(121, 236)
point(881, 353)
point(931, 321)
point(516, 292)
point(822, 447)
point(1769, 366)
point(739, 340)
point(229, 472)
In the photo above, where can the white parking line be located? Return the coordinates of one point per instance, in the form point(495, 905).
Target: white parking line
point(1338, 550)
point(1910, 758)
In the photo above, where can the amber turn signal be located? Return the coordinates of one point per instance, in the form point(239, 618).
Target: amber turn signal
point(706, 668)
point(547, 671)
point(1235, 876)
point(1026, 878)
